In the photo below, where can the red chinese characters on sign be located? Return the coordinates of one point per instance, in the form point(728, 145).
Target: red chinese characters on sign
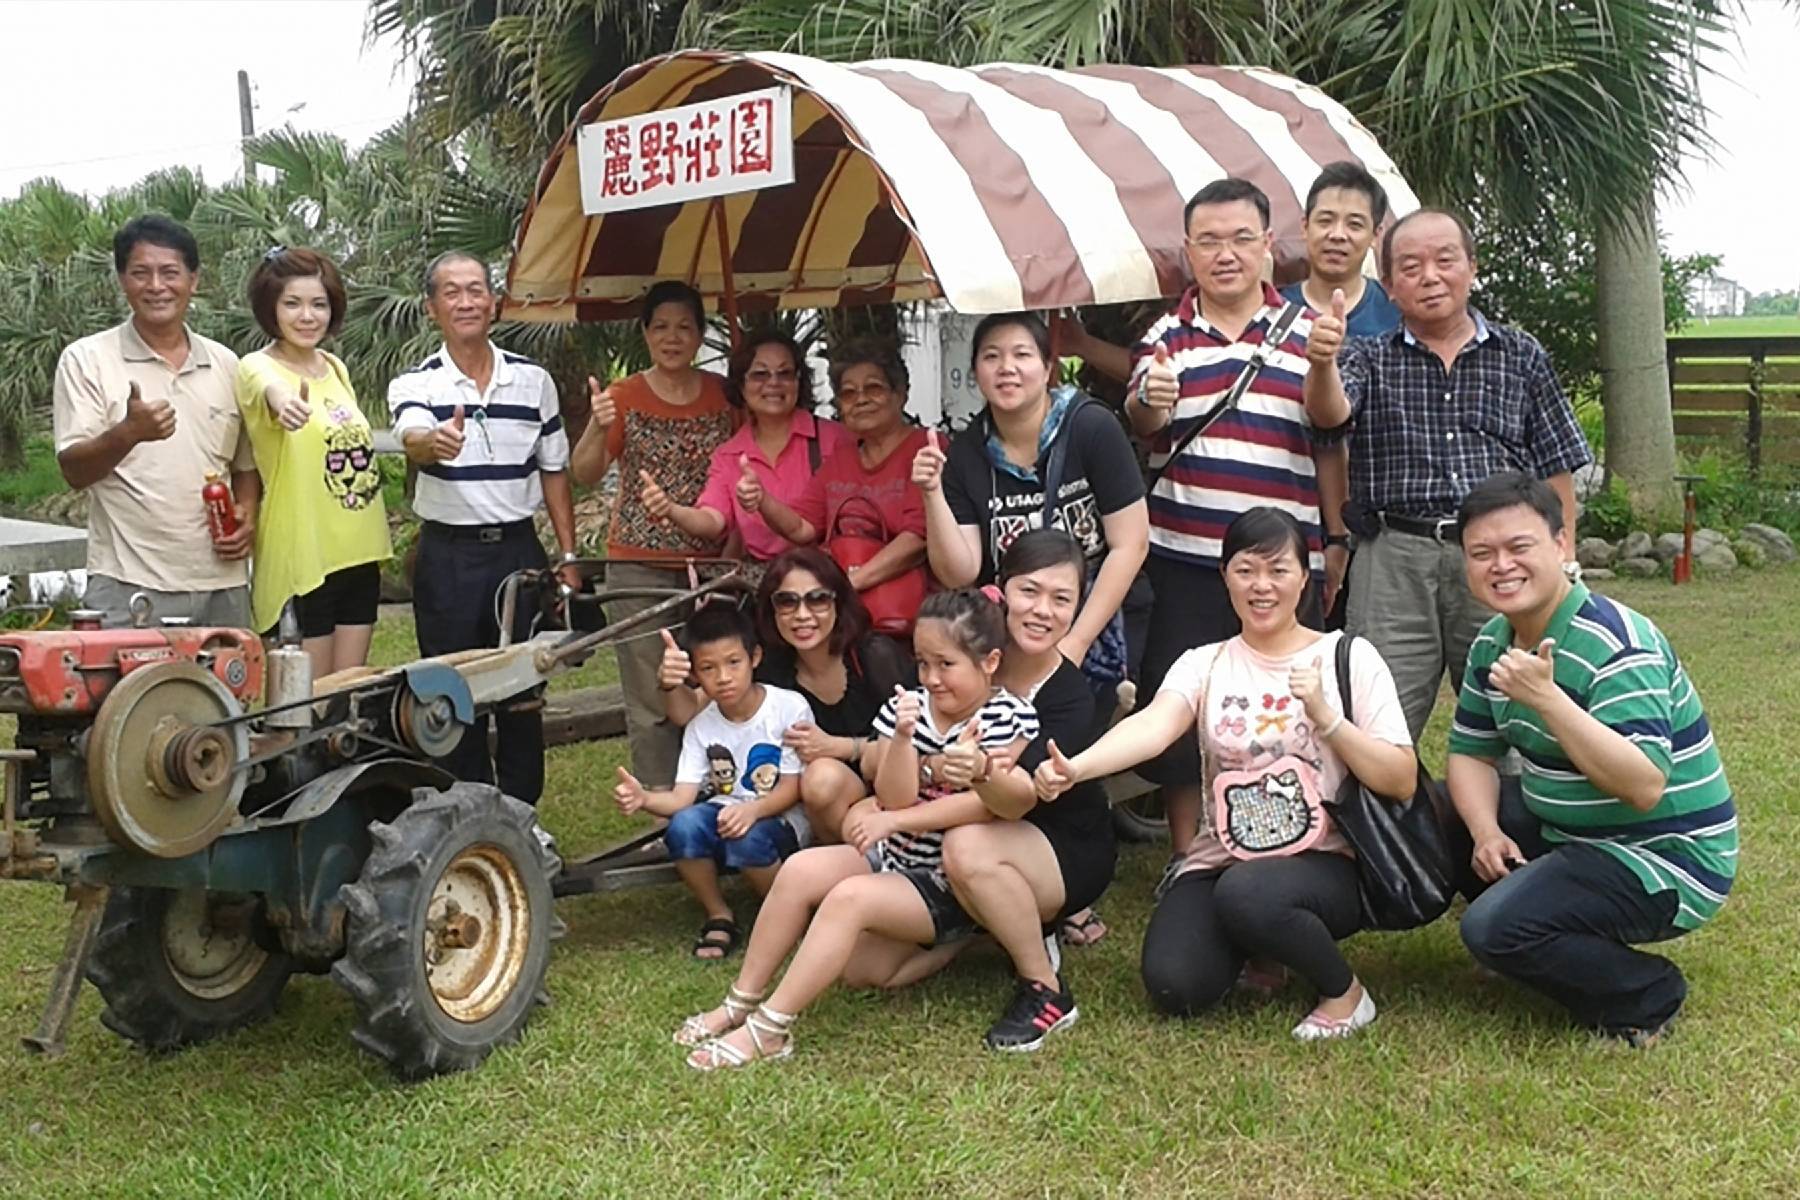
point(733, 144)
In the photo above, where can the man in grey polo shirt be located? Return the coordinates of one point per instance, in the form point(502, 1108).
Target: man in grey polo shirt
point(143, 413)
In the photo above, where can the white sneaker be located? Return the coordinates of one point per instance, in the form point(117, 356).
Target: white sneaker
point(1317, 1026)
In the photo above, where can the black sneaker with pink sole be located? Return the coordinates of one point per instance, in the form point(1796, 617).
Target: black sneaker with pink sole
point(1035, 1013)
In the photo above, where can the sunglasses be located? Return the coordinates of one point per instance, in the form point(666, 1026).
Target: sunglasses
point(818, 600)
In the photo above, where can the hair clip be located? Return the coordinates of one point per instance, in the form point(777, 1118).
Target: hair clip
point(274, 252)
point(993, 593)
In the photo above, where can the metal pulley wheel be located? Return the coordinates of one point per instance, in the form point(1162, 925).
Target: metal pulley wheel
point(428, 726)
point(162, 778)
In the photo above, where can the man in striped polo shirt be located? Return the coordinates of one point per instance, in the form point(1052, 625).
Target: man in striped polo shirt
point(1262, 453)
point(485, 429)
point(1632, 835)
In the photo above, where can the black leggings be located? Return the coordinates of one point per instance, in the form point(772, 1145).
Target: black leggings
point(1294, 910)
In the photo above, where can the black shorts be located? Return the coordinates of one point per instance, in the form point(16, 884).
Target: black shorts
point(347, 597)
point(950, 921)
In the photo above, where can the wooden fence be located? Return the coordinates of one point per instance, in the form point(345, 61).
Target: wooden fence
point(1738, 393)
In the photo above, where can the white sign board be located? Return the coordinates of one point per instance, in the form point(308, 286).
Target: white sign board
point(733, 144)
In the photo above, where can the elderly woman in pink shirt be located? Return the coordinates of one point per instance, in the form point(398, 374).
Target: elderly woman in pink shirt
point(777, 450)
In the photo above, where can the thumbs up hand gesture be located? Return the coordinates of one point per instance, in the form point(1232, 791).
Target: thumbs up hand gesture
point(1305, 686)
point(447, 438)
point(628, 793)
point(601, 408)
point(1162, 383)
point(292, 411)
point(656, 501)
point(1328, 329)
point(906, 712)
point(676, 667)
point(928, 464)
point(1527, 677)
point(147, 420)
point(749, 487)
point(965, 762)
point(1055, 775)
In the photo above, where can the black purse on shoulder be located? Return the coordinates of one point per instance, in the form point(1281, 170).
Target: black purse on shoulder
point(1403, 859)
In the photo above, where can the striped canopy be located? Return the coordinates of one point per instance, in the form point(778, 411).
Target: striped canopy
point(996, 188)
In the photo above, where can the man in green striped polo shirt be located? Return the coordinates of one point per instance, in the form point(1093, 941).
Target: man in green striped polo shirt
point(1635, 836)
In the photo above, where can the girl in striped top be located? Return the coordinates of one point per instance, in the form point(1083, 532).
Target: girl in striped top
point(883, 895)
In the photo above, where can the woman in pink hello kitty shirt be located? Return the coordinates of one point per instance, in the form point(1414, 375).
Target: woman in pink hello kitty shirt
point(1269, 877)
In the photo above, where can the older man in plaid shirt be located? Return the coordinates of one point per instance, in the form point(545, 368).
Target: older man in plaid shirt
point(1431, 410)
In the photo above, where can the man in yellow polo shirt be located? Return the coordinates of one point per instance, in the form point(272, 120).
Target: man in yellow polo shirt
point(143, 412)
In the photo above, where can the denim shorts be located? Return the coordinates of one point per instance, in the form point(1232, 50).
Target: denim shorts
point(694, 833)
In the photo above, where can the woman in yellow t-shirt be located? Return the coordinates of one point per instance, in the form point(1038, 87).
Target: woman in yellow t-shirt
point(322, 532)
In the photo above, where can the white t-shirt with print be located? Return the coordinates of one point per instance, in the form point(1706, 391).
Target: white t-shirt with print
point(1251, 720)
point(729, 760)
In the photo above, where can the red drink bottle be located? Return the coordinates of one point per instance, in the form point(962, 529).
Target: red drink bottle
point(221, 513)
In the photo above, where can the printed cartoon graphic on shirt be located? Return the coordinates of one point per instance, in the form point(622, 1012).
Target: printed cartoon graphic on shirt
point(721, 771)
point(350, 471)
point(1077, 512)
point(764, 769)
point(1266, 794)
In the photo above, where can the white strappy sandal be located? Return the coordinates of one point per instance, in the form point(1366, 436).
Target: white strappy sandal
point(764, 1022)
point(738, 1006)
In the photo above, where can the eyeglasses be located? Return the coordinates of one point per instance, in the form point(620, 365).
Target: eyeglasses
point(761, 376)
point(818, 600)
point(874, 391)
point(1240, 241)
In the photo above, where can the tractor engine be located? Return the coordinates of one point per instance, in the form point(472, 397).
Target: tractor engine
point(123, 726)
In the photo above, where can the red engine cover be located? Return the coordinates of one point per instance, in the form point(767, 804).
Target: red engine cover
point(69, 672)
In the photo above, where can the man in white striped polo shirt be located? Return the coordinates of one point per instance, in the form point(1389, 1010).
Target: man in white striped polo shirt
point(1260, 454)
point(485, 428)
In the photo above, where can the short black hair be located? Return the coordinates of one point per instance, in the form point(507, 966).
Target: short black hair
point(1036, 549)
point(719, 622)
point(1266, 532)
point(672, 291)
point(881, 353)
point(1387, 239)
point(1030, 322)
point(450, 256)
point(1509, 489)
point(1351, 176)
point(975, 622)
point(1226, 191)
point(156, 230)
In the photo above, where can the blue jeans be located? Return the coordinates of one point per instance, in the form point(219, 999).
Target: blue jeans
point(1564, 925)
point(694, 833)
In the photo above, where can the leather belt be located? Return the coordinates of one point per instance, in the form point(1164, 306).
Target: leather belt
point(1438, 529)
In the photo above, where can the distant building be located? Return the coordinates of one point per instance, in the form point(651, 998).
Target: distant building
point(1713, 295)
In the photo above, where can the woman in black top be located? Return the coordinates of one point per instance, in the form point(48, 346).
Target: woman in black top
point(816, 641)
point(1015, 877)
point(989, 488)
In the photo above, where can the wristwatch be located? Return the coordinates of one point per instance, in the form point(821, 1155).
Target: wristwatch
point(925, 773)
point(1337, 539)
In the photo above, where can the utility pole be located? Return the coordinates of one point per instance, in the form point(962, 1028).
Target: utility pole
point(246, 122)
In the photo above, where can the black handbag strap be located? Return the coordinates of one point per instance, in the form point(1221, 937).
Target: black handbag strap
point(812, 451)
point(1051, 473)
point(1343, 674)
point(1253, 366)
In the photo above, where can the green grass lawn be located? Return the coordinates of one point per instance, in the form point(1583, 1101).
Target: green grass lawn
point(1464, 1087)
point(1788, 326)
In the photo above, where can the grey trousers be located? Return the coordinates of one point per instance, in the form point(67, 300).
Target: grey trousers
point(655, 741)
point(1410, 598)
point(226, 608)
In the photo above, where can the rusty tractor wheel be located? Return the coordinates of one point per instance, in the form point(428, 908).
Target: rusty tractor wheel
point(180, 967)
point(449, 931)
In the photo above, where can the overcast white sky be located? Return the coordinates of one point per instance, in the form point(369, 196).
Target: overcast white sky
point(101, 92)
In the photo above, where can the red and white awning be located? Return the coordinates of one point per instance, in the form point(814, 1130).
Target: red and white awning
point(996, 188)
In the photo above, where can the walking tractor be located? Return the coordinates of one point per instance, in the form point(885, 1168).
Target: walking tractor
point(212, 847)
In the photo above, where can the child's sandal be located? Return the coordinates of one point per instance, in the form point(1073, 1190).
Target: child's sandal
point(720, 1054)
point(738, 1006)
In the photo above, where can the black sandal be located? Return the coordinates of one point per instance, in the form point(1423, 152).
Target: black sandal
point(725, 946)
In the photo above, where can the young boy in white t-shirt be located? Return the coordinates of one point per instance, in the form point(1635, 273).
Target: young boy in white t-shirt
point(736, 799)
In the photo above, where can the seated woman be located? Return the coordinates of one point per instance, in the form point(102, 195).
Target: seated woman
point(883, 896)
point(992, 484)
point(322, 532)
point(863, 495)
point(1269, 875)
point(666, 421)
point(1016, 877)
point(778, 450)
point(816, 641)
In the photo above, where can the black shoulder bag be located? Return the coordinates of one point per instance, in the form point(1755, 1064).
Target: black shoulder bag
point(1284, 322)
point(1403, 860)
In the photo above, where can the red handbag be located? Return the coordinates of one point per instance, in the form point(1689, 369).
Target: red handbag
point(894, 605)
